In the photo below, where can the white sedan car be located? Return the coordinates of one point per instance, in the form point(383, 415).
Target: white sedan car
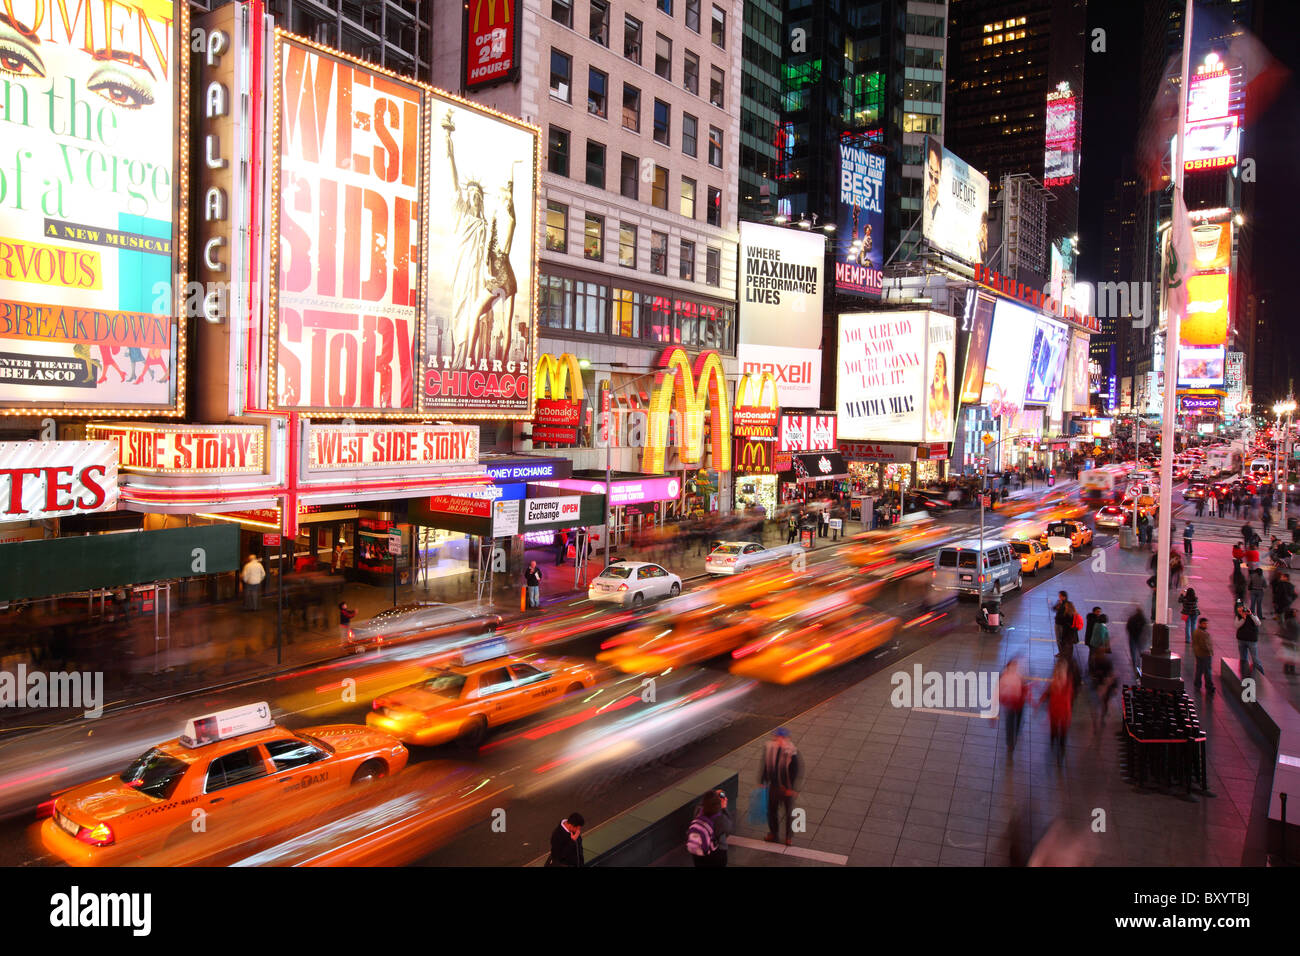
point(634, 583)
point(733, 557)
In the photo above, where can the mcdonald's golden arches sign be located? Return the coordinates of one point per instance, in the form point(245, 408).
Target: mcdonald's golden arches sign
point(491, 42)
point(689, 393)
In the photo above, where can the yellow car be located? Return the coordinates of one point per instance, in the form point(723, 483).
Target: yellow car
point(463, 703)
point(1033, 555)
point(1066, 537)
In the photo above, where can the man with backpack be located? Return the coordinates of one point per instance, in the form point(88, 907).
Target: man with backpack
point(780, 773)
point(706, 838)
point(1068, 625)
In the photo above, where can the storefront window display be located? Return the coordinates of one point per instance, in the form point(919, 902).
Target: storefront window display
point(756, 490)
point(441, 554)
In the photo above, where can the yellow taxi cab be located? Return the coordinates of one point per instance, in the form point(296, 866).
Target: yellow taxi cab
point(464, 701)
point(1033, 555)
point(793, 654)
point(1066, 537)
point(225, 764)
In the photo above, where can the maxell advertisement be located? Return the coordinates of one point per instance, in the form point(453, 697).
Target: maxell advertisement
point(941, 343)
point(955, 207)
point(860, 232)
point(480, 263)
point(781, 309)
point(350, 156)
point(93, 167)
point(882, 378)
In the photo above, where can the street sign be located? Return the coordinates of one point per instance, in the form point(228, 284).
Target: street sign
point(988, 439)
point(395, 542)
point(270, 541)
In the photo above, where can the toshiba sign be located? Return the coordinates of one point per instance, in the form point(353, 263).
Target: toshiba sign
point(52, 479)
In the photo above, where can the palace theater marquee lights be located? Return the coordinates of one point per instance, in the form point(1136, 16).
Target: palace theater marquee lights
point(690, 393)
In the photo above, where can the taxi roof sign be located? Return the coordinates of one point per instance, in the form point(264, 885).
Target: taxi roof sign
point(225, 724)
point(481, 651)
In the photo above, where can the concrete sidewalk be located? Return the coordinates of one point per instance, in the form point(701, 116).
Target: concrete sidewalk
point(889, 786)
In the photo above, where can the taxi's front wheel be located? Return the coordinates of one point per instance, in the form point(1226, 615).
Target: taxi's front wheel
point(473, 731)
point(369, 771)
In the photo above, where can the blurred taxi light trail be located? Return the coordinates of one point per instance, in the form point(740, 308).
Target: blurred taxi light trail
point(560, 723)
point(36, 776)
point(816, 650)
point(928, 618)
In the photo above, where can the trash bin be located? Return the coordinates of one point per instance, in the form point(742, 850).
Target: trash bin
point(1127, 538)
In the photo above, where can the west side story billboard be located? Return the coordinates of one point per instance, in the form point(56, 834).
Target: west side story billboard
point(93, 169)
point(860, 232)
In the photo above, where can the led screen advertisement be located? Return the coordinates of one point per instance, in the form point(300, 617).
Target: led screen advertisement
point(94, 169)
point(955, 207)
point(889, 369)
point(1080, 372)
point(1213, 131)
point(350, 144)
point(1061, 137)
point(860, 232)
point(1010, 348)
point(977, 323)
point(480, 264)
point(1201, 366)
point(1047, 361)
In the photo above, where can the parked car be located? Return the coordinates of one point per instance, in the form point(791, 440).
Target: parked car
point(429, 620)
point(634, 583)
point(1111, 516)
point(733, 557)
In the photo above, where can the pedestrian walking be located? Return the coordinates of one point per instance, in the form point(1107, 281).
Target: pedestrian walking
point(1068, 623)
point(252, 575)
point(1290, 641)
point(1175, 570)
point(336, 558)
point(566, 842)
point(706, 838)
point(792, 528)
point(1059, 698)
point(1248, 640)
point(1255, 585)
point(1238, 583)
point(1191, 612)
point(1238, 555)
point(1284, 595)
point(1203, 652)
point(1266, 518)
point(1106, 683)
point(1188, 531)
point(1252, 554)
point(1136, 625)
point(1013, 694)
point(533, 581)
point(1212, 505)
point(561, 544)
point(780, 773)
point(1098, 641)
point(346, 614)
point(824, 523)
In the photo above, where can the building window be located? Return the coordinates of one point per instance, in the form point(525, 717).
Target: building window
point(690, 131)
point(663, 56)
point(627, 306)
point(590, 305)
point(659, 194)
point(665, 6)
point(626, 245)
point(713, 266)
point(691, 73)
point(555, 306)
point(561, 75)
point(595, 164)
point(597, 84)
point(662, 122)
point(600, 22)
point(719, 34)
point(593, 238)
point(687, 271)
point(717, 81)
point(557, 227)
point(557, 151)
point(693, 15)
point(688, 198)
point(659, 253)
point(632, 39)
point(629, 184)
point(714, 212)
point(631, 108)
point(562, 12)
point(715, 147)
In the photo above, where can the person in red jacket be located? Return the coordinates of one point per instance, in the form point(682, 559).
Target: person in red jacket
point(1013, 694)
point(1059, 697)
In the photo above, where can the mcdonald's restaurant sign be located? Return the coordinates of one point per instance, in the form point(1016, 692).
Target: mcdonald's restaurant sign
point(756, 413)
point(558, 378)
point(755, 457)
point(491, 42)
point(690, 393)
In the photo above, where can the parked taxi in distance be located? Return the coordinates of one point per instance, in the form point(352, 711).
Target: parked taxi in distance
point(1033, 555)
point(1066, 537)
point(463, 702)
point(232, 762)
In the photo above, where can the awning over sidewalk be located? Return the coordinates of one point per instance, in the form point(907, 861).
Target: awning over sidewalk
point(819, 466)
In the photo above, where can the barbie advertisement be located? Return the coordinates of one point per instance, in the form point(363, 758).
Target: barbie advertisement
point(89, 187)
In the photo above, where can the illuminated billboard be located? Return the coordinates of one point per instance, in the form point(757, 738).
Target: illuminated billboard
point(1201, 366)
point(346, 326)
point(1206, 318)
point(955, 207)
point(860, 232)
point(1061, 137)
point(480, 266)
point(491, 42)
point(1212, 134)
point(1080, 372)
point(977, 323)
point(1006, 373)
point(1047, 360)
point(96, 98)
point(893, 372)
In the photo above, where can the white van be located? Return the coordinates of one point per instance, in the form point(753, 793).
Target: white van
point(957, 567)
